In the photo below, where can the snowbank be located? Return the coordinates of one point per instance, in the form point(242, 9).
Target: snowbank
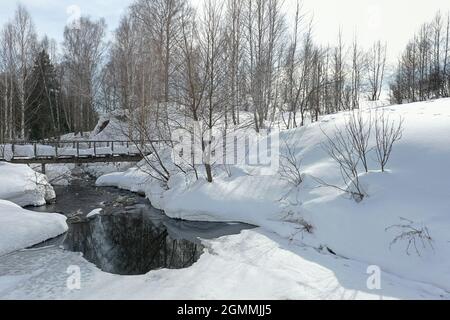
point(94, 213)
point(23, 186)
point(21, 228)
point(415, 189)
point(99, 169)
point(137, 179)
point(57, 174)
point(255, 264)
point(111, 127)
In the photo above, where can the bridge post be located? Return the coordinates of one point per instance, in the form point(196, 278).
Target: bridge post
point(78, 149)
point(35, 150)
point(112, 148)
point(13, 149)
point(43, 167)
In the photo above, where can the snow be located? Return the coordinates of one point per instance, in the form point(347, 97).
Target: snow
point(23, 186)
point(21, 228)
point(100, 169)
point(133, 180)
point(57, 174)
point(111, 127)
point(94, 213)
point(278, 260)
point(255, 264)
point(67, 150)
point(415, 188)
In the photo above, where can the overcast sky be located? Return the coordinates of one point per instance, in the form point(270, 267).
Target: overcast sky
point(393, 21)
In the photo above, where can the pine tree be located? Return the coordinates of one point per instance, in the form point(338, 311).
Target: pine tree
point(43, 113)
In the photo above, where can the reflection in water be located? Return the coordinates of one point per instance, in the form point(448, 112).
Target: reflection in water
point(130, 237)
point(130, 244)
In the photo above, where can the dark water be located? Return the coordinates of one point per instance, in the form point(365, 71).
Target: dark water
point(129, 237)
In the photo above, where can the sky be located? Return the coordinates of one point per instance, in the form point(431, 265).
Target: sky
point(50, 16)
point(393, 21)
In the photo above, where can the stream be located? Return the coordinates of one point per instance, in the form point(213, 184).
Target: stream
point(129, 236)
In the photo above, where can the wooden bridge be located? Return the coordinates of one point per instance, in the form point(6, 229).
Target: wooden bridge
point(77, 151)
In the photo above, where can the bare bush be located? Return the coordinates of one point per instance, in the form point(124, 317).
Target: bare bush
point(149, 142)
point(290, 164)
point(387, 133)
point(415, 237)
point(359, 131)
point(341, 148)
point(303, 226)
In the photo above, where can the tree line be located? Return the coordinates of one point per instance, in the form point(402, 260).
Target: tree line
point(423, 71)
point(232, 58)
point(221, 63)
point(45, 91)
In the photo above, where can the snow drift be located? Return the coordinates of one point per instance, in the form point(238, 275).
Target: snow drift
point(415, 192)
point(23, 186)
point(20, 228)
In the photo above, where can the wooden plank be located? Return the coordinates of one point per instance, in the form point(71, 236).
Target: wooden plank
point(88, 159)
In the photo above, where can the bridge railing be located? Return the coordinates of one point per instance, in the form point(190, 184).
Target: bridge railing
point(73, 148)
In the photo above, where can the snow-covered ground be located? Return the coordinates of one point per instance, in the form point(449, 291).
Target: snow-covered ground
point(24, 186)
point(279, 260)
point(255, 264)
point(414, 192)
point(21, 228)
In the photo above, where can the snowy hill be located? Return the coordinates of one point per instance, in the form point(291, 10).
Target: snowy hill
point(401, 225)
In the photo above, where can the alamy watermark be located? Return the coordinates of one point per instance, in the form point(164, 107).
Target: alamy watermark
point(374, 279)
point(73, 281)
point(199, 146)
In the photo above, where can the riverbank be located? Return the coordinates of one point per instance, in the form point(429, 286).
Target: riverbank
point(230, 266)
point(412, 194)
point(350, 242)
point(254, 264)
point(24, 186)
point(19, 228)
point(121, 233)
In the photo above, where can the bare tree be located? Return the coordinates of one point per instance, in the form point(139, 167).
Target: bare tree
point(290, 163)
point(161, 19)
point(359, 131)
point(234, 33)
point(387, 133)
point(25, 43)
point(340, 148)
point(8, 69)
point(357, 71)
point(84, 48)
point(376, 65)
point(338, 74)
point(265, 25)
